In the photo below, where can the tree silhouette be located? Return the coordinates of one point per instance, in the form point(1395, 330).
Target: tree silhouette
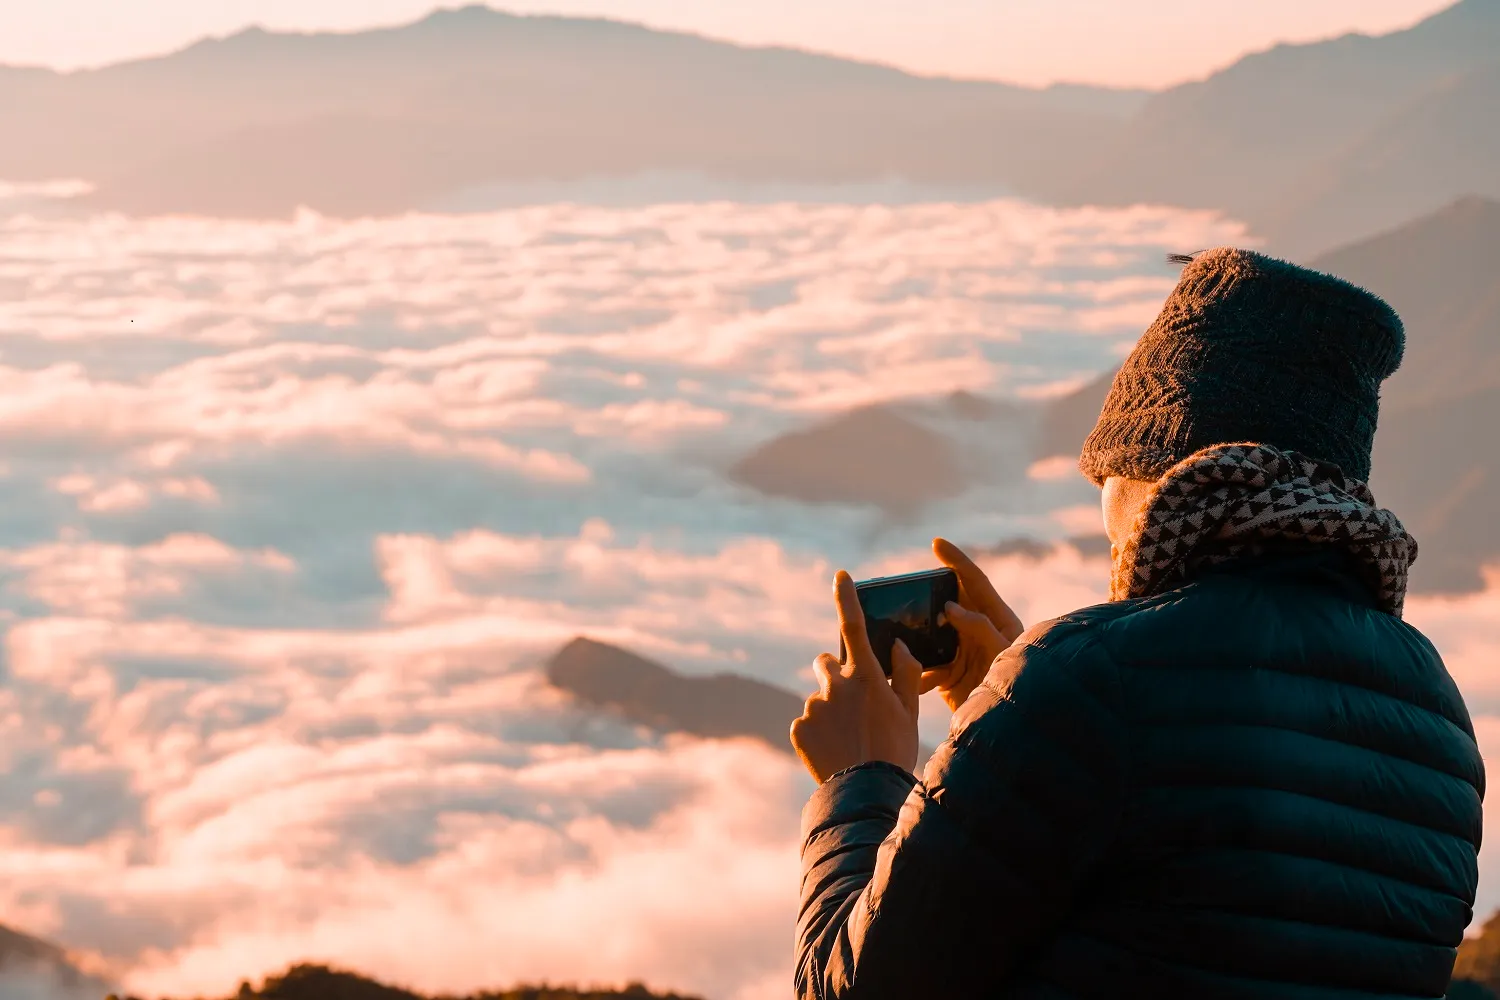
point(320, 982)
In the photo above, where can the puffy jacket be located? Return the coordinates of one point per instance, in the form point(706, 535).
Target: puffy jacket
point(1255, 786)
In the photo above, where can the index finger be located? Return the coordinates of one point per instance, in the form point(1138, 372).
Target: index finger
point(977, 587)
point(852, 628)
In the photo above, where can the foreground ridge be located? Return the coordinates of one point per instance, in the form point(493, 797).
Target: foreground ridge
point(320, 982)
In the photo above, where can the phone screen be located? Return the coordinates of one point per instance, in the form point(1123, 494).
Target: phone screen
point(910, 608)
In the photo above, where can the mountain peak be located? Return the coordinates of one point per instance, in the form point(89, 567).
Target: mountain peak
point(468, 14)
point(251, 34)
point(480, 18)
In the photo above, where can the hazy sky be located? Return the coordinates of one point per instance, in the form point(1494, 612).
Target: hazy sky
point(1137, 43)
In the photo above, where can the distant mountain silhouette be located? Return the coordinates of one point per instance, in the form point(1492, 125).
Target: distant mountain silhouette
point(318, 982)
point(387, 120)
point(873, 455)
point(1442, 274)
point(1446, 142)
point(649, 694)
point(1437, 456)
point(1314, 145)
point(31, 967)
point(1320, 144)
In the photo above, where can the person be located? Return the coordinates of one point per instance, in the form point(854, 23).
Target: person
point(1245, 776)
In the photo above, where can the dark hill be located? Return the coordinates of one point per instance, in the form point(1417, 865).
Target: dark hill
point(1437, 457)
point(652, 695)
point(1446, 142)
point(1442, 274)
point(872, 455)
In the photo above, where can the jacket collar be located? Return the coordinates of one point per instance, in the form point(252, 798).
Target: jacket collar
point(1330, 568)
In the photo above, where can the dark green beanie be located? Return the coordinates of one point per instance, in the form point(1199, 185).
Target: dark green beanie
point(1250, 349)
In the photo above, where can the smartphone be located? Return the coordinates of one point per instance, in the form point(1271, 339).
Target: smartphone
point(910, 608)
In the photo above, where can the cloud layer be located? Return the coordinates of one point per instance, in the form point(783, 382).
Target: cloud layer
point(294, 511)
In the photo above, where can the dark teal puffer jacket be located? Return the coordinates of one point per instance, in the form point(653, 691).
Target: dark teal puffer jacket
point(1257, 786)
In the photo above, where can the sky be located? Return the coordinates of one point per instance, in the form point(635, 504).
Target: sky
point(1144, 43)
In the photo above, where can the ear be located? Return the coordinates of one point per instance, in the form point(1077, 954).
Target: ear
point(1122, 500)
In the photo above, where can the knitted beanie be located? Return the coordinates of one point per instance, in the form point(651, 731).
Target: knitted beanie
point(1250, 349)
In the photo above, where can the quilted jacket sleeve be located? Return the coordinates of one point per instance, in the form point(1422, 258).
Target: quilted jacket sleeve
point(942, 888)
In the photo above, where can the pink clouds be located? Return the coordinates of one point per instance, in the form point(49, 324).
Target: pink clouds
point(434, 833)
point(876, 288)
point(43, 190)
point(653, 597)
point(1058, 467)
point(206, 407)
point(93, 580)
point(103, 497)
point(468, 818)
point(300, 508)
point(511, 848)
point(501, 898)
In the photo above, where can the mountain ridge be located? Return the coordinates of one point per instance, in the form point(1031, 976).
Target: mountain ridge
point(1313, 144)
point(374, 122)
point(471, 15)
point(1247, 138)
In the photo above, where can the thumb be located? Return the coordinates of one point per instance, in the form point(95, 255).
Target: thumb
point(906, 677)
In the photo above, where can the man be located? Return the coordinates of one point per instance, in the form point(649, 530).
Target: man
point(1244, 777)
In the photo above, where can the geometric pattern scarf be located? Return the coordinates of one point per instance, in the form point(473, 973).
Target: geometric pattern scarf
point(1230, 501)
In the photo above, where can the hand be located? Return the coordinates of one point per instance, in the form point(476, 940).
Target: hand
point(986, 626)
point(856, 716)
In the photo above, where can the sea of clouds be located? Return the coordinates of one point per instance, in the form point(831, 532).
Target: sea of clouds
point(292, 512)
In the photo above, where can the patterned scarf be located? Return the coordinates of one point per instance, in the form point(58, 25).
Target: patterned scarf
point(1232, 501)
